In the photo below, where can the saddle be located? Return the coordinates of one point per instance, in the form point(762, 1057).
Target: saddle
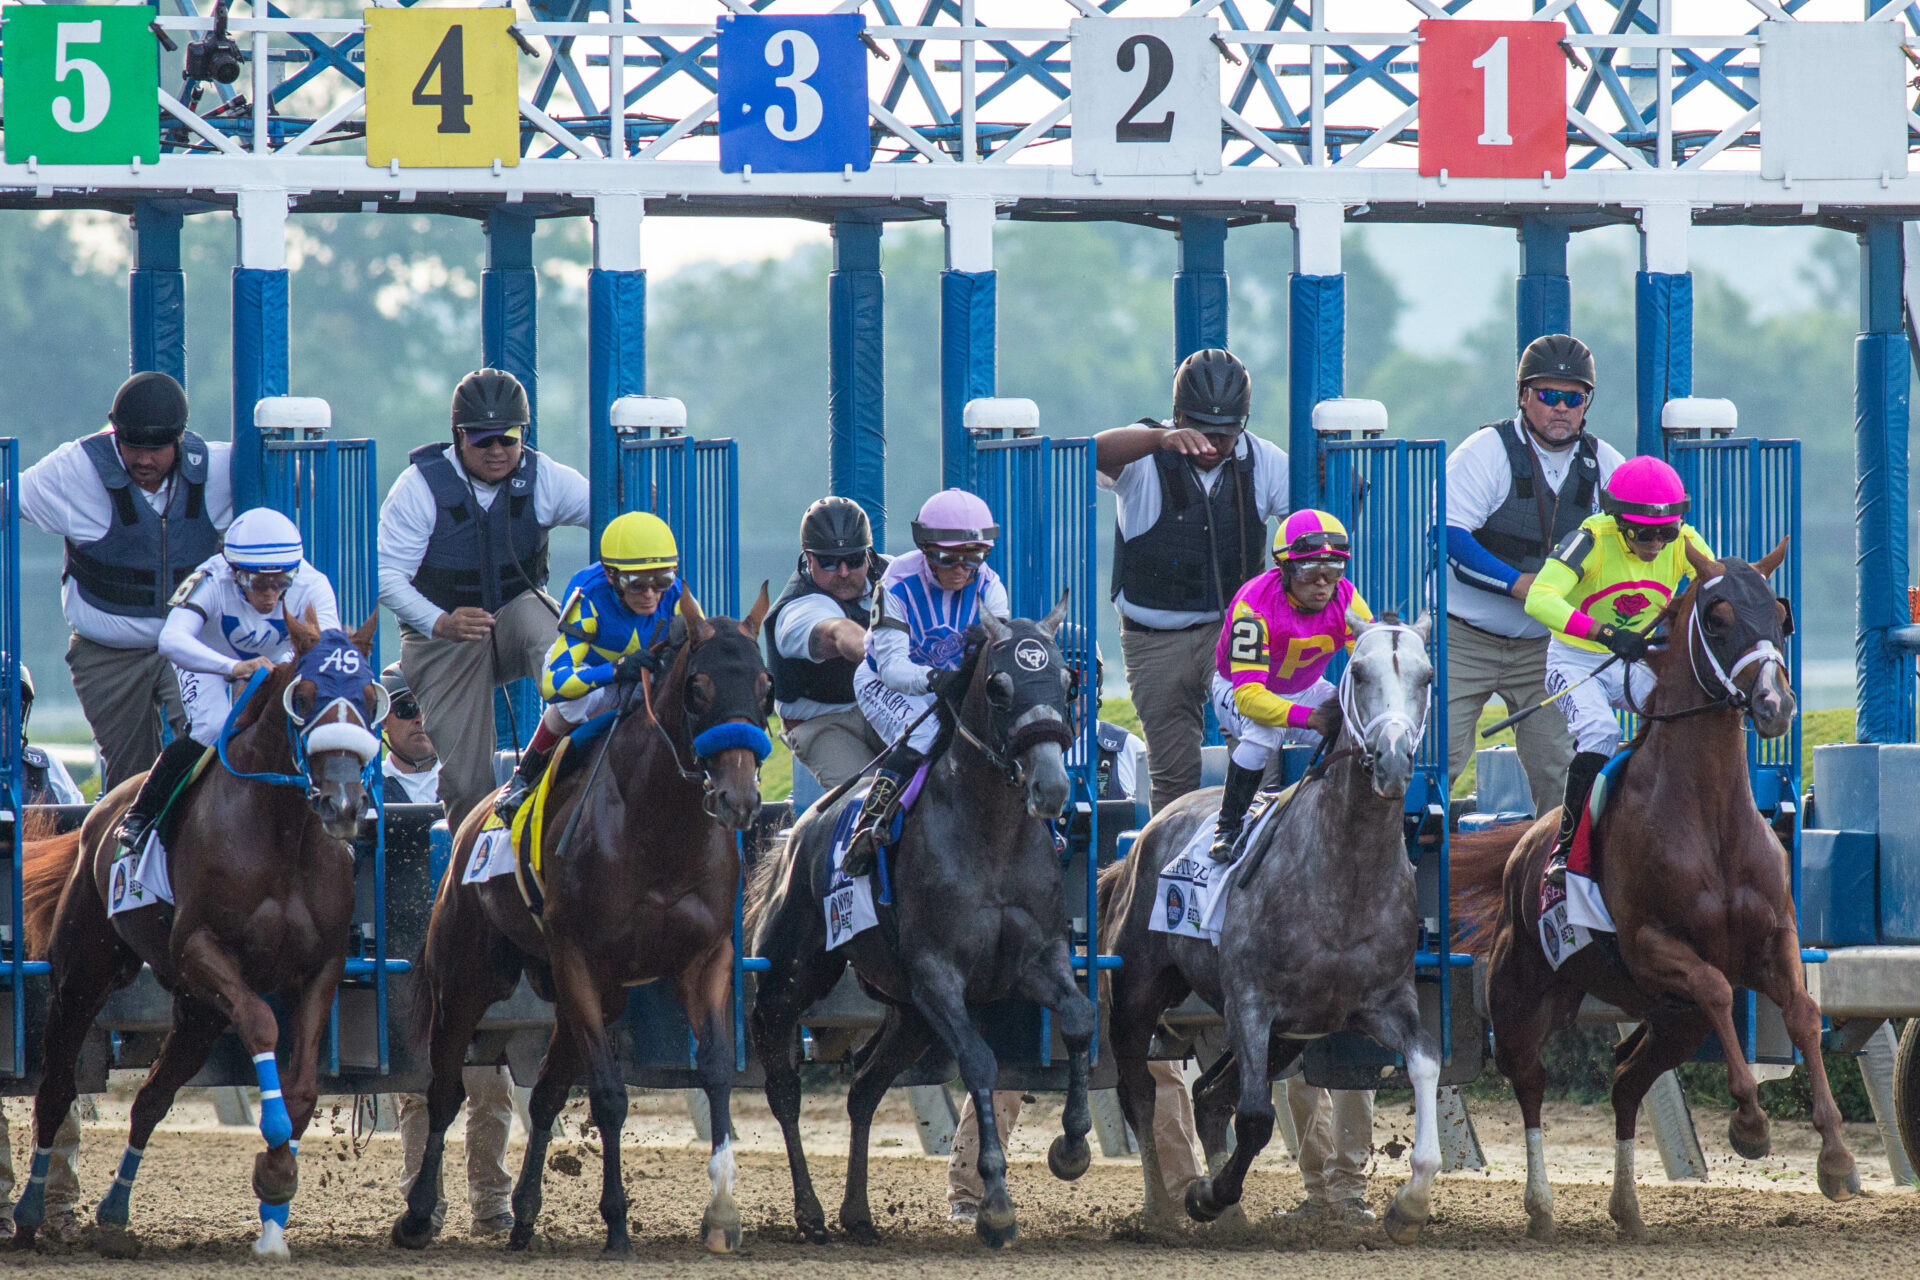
point(1584, 857)
point(528, 835)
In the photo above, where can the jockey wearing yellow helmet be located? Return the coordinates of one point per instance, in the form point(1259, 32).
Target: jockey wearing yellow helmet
point(1282, 629)
point(616, 610)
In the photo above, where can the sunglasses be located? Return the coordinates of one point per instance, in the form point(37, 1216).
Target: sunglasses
point(505, 440)
point(1320, 573)
point(1554, 399)
point(643, 581)
point(851, 560)
point(941, 558)
point(1660, 533)
point(404, 708)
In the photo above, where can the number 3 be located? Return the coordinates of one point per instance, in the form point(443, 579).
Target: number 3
point(96, 92)
point(807, 109)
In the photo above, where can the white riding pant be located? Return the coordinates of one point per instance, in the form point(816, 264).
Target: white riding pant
point(1255, 744)
point(1589, 707)
point(890, 712)
point(207, 700)
point(577, 711)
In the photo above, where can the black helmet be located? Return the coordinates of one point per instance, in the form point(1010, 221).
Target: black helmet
point(149, 411)
point(490, 399)
point(1559, 356)
point(1213, 389)
point(835, 526)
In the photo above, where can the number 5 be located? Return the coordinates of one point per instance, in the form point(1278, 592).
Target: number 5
point(96, 91)
point(807, 108)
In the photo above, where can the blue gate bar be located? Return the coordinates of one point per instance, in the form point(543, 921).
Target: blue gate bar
point(157, 293)
point(856, 371)
point(259, 369)
point(616, 366)
point(17, 965)
point(1882, 368)
point(693, 485)
point(1316, 364)
point(1663, 346)
point(968, 316)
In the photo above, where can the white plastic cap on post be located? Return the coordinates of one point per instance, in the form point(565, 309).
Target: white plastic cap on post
point(293, 417)
point(1345, 418)
point(1001, 413)
point(1698, 416)
point(643, 413)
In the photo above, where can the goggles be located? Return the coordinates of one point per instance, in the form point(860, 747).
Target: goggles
point(1644, 533)
point(276, 580)
point(951, 558)
point(829, 562)
point(1554, 399)
point(1319, 573)
point(642, 579)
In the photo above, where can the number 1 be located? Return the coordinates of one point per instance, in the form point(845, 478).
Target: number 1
point(1493, 97)
point(453, 99)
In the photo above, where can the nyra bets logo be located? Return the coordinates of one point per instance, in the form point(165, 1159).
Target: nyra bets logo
point(1031, 655)
point(1175, 906)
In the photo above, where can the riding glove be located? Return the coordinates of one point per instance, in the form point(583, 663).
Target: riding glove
point(634, 664)
point(949, 686)
point(1624, 642)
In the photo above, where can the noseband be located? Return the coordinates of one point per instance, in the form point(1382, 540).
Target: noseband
point(1362, 731)
point(721, 728)
point(340, 679)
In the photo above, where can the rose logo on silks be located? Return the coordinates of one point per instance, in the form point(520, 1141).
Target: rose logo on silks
point(1633, 604)
point(1031, 655)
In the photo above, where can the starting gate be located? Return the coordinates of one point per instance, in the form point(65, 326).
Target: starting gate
point(694, 485)
point(17, 967)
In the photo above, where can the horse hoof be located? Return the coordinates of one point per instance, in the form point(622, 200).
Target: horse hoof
point(1068, 1158)
point(995, 1237)
point(1201, 1206)
point(408, 1234)
point(115, 1241)
point(275, 1181)
point(1402, 1228)
point(721, 1232)
point(617, 1251)
point(1840, 1186)
point(1541, 1228)
point(861, 1233)
point(23, 1238)
point(815, 1232)
point(520, 1237)
point(1632, 1230)
point(1751, 1145)
point(272, 1244)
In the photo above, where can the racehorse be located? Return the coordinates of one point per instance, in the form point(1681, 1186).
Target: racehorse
point(1694, 878)
point(641, 873)
point(1319, 933)
point(262, 877)
point(978, 914)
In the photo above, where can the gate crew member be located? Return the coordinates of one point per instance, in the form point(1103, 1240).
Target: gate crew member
point(616, 611)
point(1193, 497)
point(409, 768)
point(928, 599)
point(45, 780)
point(228, 620)
point(463, 564)
point(139, 505)
point(1269, 686)
point(1515, 489)
point(816, 635)
point(1603, 588)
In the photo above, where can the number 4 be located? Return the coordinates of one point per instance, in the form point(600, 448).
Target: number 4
point(1493, 97)
point(453, 99)
point(96, 91)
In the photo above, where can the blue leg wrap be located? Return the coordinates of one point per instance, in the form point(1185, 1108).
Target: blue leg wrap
point(275, 1213)
point(114, 1207)
point(31, 1212)
point(276, 1126)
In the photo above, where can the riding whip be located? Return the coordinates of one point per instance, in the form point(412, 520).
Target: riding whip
point(1524, 712)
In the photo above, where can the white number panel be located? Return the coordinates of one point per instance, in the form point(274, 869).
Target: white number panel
point(1146, 96)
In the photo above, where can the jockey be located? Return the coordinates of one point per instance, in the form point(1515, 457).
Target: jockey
point(1606, 583)
point(227, 621)
point(928, 599)
point(1281, 631)
point(616, 610)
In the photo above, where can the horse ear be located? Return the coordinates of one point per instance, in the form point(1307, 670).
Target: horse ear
point(1356, 624)
point(757, 614)
point(1704, 565)
point(363, 634)
point(1056, 616)
point(1423, 627)
point(303, 631)
point(1773, 559)
point(994, 626)
point(695, 617)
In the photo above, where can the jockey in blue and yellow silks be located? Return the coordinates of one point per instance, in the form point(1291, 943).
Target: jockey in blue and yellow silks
point(616, 610)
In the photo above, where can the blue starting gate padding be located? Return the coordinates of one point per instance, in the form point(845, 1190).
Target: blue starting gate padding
point(1544, 296)
point(157, 293)
point(968, 316)
point(1201, 299)
point(509, 306)
point(693, 485)
point(616, 366)
point(856, 371)
point(1316, 367)
point(259, 370)
point(1884, 693)
point(1663, 307)
point(17, 967)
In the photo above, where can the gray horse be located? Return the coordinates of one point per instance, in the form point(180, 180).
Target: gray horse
point(1319, 934)
point(979, 914)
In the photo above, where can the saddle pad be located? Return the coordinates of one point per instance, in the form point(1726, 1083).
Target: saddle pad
point(1570, 916)
point(140, 879)
point(1192, 888)
point(497, 850)
point(849, 900)
point(492, 854)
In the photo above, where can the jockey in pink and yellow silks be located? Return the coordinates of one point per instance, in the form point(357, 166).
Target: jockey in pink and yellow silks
point(1599, 593)
point(1280, 633)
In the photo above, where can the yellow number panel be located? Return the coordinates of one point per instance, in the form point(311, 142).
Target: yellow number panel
point(442, 88)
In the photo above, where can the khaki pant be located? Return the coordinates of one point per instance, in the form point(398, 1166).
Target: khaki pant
point(1173, 1136)
point(835, 746)
point(122, 692)
point(1481, 665)
point(454, 682)
point(489, 1117)
point(1170, 675)
point(1336, 1139)
point(63, 1186)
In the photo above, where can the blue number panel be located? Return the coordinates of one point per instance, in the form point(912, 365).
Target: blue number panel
point(793, 94)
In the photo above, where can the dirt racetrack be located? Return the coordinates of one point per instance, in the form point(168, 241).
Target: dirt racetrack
point(193, 1211)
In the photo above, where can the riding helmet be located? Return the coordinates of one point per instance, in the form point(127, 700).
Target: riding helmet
point(1308, 534)
point(954, 518)
point(1212, 388)
point(1645, 490)
point(638, 540)
point(490, 400)
point(835, 526)
point(263, 541)
point(1559, 356)
point(149, 411)
point(394, 680)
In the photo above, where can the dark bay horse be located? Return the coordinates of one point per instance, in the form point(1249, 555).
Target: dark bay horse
point(1694, 878)
point(979, 914)
point(643, 890)
point(262, 875)
point(1319, 935)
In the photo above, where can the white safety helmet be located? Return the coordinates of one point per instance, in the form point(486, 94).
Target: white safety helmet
point(263, 541)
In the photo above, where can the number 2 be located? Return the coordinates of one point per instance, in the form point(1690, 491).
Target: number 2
point(96, 91)
point(808, 111)
point(1159, 75)
point(453, 99)
point(1493, 98)
point(1248, 641)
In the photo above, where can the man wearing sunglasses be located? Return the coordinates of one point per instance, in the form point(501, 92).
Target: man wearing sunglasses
point(1515, 489)
point(1603, 588)
point(1192, 500)
point(463, 565)
point(410, 767)
point(816, 635)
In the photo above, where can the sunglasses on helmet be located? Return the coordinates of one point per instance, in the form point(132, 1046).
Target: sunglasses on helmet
point(644, 580)
point(1554, 399)
point(850, 560)
point(949, 558)
point(1658, 533)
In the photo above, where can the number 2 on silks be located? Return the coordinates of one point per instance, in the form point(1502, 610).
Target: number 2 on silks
point(793, 94)
point(82, 84)
point(442, 88)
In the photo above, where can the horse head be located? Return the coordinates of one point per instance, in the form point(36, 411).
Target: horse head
point(725, 698)
point(1384, 695)
point(1736, 631)
point(1022, 681)
point(334, 701)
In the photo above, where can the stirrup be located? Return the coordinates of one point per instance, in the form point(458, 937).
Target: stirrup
point(1224, 843)
point(1556, 874)
point(510, 800)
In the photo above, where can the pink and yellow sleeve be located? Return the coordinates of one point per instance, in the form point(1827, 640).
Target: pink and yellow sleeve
point(1248, 664)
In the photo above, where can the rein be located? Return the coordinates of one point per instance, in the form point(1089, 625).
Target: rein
point(296, 741)
point(1731, 698)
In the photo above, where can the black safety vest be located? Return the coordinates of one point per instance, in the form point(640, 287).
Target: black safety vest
point(1513, 532)
point(794, 679)
point(479, 558)
point(33, 775)
point(1111, 739)
point(132, 570)
point(1202, 549)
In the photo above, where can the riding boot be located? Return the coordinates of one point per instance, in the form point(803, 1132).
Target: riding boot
point(533, 763)
point(169, 771)
point(1585, 768)
point(1242, 784)
point(877, 813)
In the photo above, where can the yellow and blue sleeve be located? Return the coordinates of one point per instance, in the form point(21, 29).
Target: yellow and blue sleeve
point(575, 667)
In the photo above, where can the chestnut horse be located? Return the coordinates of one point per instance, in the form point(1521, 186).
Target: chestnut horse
point(262, 876)
point(643, 889)
point(1694, 878)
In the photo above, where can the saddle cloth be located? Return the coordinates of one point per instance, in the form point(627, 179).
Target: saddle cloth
point(849, 900)
point(1570, 916)
point(140, 879)
point(1192, 888)
point(498, 850)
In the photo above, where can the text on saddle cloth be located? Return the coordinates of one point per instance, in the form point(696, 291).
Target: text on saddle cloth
point(140, 879)
point(498, 851)
point(849, 902)
point(1192, 887)
point(1570, 916)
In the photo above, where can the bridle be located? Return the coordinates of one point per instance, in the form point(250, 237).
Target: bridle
point(1362, 731)
point(1006, 758)
point(1762, 653)
point(718, 729)
point(314, 734)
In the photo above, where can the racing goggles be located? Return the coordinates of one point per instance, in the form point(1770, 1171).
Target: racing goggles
point(642, 579)
point(1650, 533)
point(1554, 399)
point(829, 562)
point(954, 558)
point(275, 580)
point(1319, 573)
point(1319, 545)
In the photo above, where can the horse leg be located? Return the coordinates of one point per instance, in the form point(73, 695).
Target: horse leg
point(1248, 1028)
point(1786, 986)
point(1050, 984)
point(1658, 1045)
point(791, 985)
point(1523, 1008)
point(1214, 1092)
point(902, 1038)
point(706, 990)
point(1399, 1028)
point(581, 1012)
point(300, 1092)
point(940, 995)
point(564, 1060)
point(1660, 962)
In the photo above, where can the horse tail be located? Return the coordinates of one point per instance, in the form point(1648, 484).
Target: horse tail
point(420, 1001)
point(43, 876)
point(764, 885)
point(1110, 877)
point(1476, 871)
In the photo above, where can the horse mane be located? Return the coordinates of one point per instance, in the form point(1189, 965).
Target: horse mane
point(944, 713)
point(1476, 874)
point(763, 884)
